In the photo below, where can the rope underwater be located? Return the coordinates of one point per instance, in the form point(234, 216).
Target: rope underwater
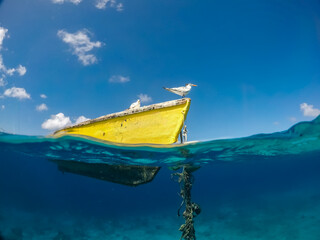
point(185, 178)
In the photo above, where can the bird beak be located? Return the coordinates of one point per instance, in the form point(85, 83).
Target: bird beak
point(194, 85)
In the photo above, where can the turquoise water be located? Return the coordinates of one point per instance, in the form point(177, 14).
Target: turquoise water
point(259, 187)
point(300, 139)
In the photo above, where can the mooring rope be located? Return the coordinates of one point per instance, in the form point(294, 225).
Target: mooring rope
point(185, 178)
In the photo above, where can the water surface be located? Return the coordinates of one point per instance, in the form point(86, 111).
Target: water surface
point(259, 187)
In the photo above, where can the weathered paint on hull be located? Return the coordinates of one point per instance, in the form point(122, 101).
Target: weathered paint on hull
point(157, 124)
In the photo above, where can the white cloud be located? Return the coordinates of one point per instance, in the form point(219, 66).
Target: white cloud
point(81, 45)
point(100, 4)
point(276, 123)
point(76, 2)
point(81, 119)
point(103, 4)
point(15, 92)
point(2, 81)
point(3, 107)
point(119, 79)
point(144, 98)
point(42, 107)
point(309, 110)
point(10, 71)
point(21, 70)
point(43, 96)
point(3, 32)
point(119, 7)
point(59, 121)
point(2, 66)
point(56, 122)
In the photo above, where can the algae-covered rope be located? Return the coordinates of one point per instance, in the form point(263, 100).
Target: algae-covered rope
point(185, 179)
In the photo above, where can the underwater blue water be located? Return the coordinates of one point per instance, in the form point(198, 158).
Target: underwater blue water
point(259, 187)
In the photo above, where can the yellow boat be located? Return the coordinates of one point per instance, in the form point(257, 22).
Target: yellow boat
point(156, 124)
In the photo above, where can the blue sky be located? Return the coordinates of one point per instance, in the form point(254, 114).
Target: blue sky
point(256, 63)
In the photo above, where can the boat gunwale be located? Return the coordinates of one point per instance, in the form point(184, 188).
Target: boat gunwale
point(128, 112)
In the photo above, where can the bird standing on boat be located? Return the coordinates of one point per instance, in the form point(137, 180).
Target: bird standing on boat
point(181, 91)
point(135, 104)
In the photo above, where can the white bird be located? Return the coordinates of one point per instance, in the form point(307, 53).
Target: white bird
point(135, 104)
point(182, 91)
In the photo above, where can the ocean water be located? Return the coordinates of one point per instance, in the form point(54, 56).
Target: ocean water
point(266, 186)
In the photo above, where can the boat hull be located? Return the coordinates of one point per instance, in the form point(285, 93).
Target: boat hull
point(156, 124)
point(121, 174)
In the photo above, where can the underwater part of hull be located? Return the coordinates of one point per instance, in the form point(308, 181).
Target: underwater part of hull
point(121, 174)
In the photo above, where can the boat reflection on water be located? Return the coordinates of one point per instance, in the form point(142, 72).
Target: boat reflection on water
point(122, 174)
